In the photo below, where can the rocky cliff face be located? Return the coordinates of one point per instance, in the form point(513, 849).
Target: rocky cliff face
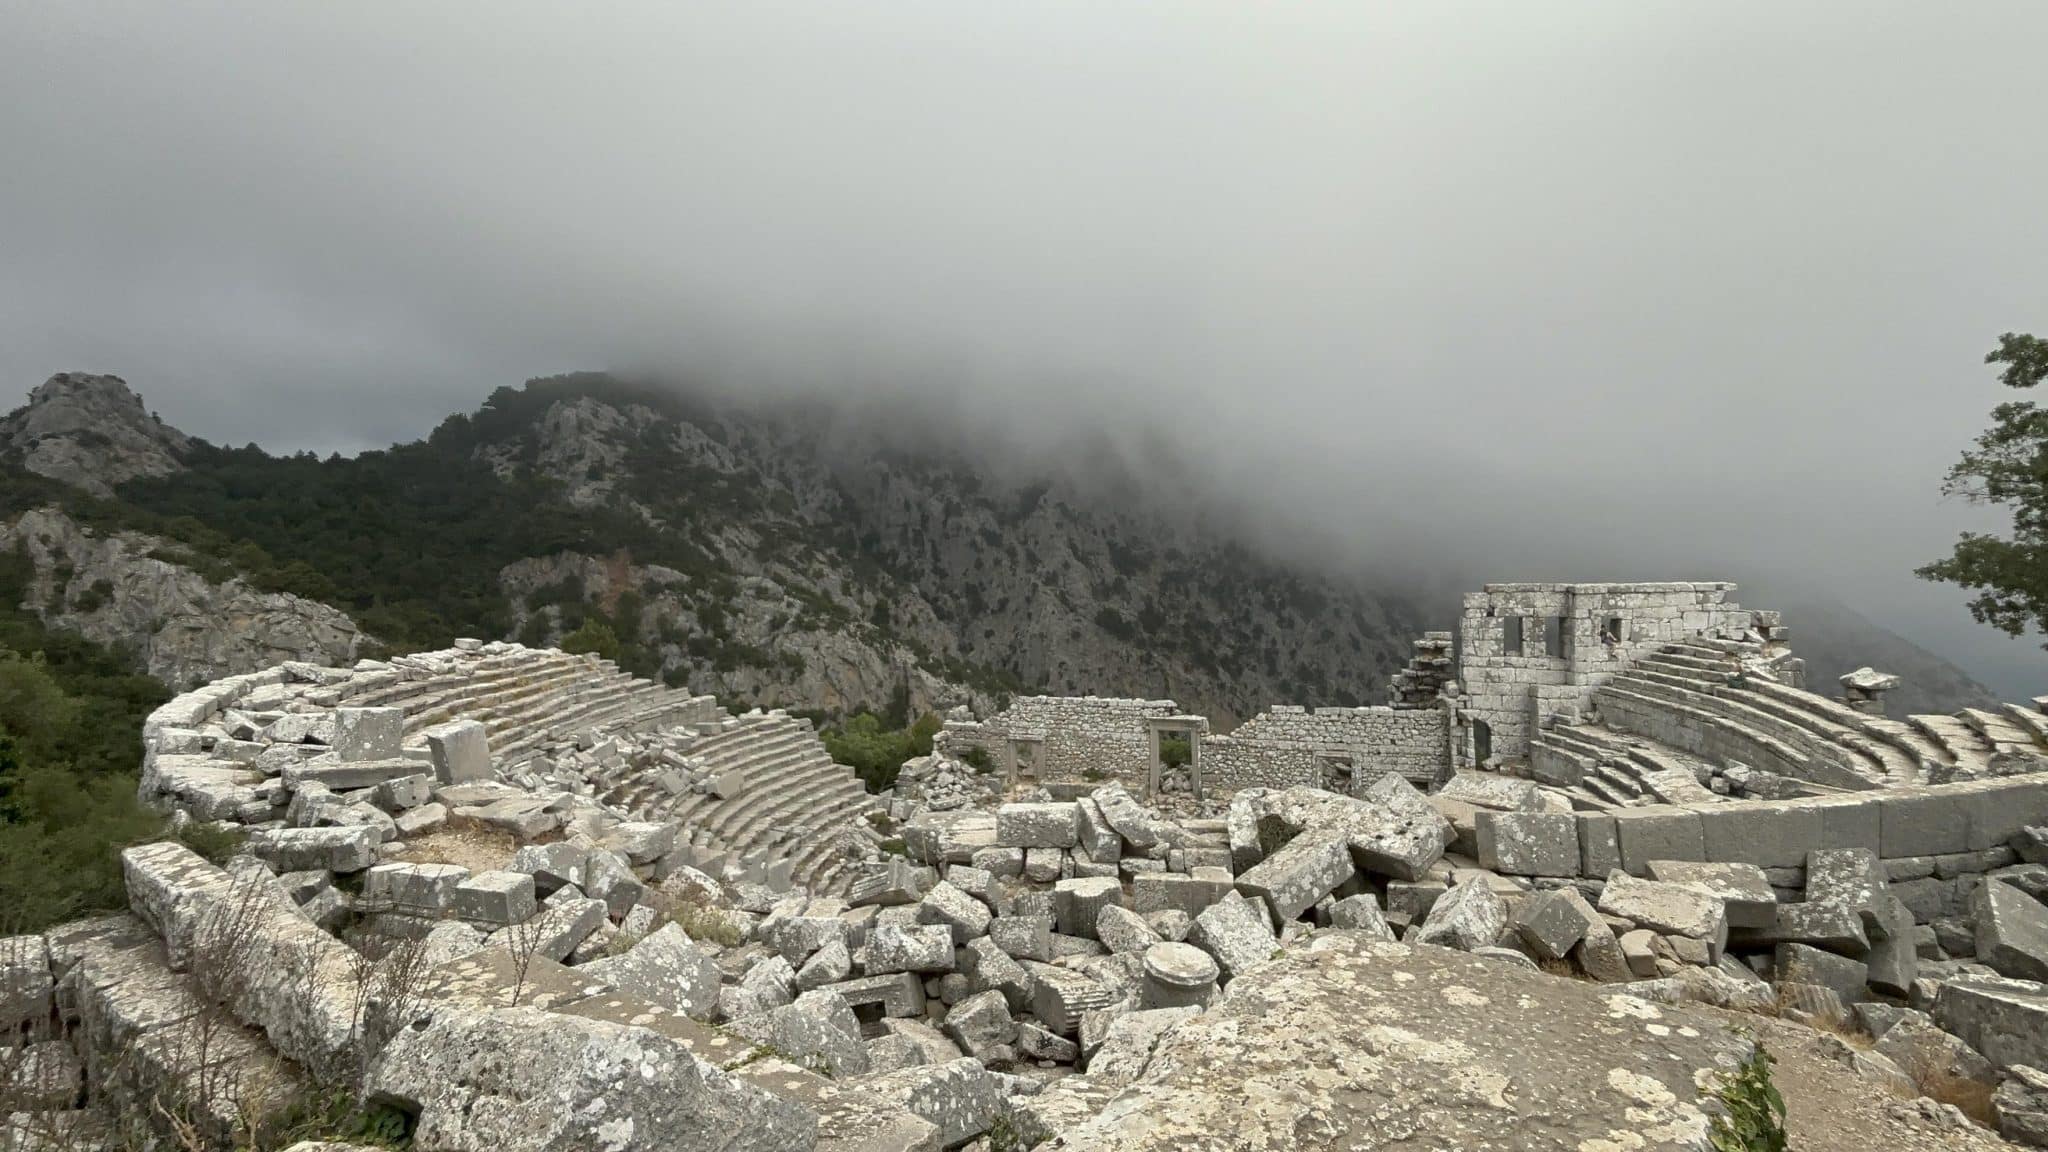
point(840, 552)
point(90, 431)
point(117, 590)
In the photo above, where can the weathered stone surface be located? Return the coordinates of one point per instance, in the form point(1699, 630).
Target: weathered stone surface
point(988, 968)
point(460, 751)
point(552, 865)
point(368, 733)
point(1742, 888)
point(901, 994)
point(1528, 843)
point(416, 889)
point(2012, 931)
point(960, 1097)
point(1078, 903)
point(1025, 937)
point(665, 968)
point(169, 888)
point(1468, 916)
point(343, 849)
point(1676, 909)
point(1061, 996)
point(576, 1083)
point(1038, 825)
point(982, 1025)
point(1361, 913)
point(1399, 837)
point(1122, 930)
point(2021, 1107)
point(955, 910)
point(1932, 1057)
point(1308, 868)
point(278, 971)
point(1552, 923)
point(26, 985)
point(494, 899)
point(563, 924)
point(1131, 820)
point(2006, 1020)
point(1178, 976)
point(817, 1031)
point(1801, 964)
point(1461, 1053)
point(1236, 933)
point(1130, 1041)
point(893, 948)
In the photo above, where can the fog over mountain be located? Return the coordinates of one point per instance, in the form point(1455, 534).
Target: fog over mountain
point(1441, 293)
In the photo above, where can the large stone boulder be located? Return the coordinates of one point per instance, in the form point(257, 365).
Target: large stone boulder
point(521, 1080)
point(665, 968)
point(1350, 1042)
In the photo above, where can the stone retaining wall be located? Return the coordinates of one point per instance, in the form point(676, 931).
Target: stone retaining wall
point(1288, 745)
point(1075, 737)
point(1934, 840)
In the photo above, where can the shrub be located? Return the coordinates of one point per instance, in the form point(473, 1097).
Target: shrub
point(1754, 1120)
point(594, 637)
point(876, 753)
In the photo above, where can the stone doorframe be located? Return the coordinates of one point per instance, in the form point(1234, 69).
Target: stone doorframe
point(1191, 727)
point(1016, 744)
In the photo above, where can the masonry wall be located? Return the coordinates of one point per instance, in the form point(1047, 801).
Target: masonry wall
point(1509, 689)
point(1083, 737)
point(1936, 841)
point(1286, 745)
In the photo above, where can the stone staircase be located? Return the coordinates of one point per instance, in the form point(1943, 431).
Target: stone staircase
point(1695, 698)
point(1599, 769)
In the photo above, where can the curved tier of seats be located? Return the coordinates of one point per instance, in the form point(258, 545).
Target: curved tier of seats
point(1696, 700)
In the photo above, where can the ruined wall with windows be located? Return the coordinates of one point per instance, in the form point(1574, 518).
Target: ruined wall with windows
point(1528, 651)
point(1339, 749)
point(1060, 738)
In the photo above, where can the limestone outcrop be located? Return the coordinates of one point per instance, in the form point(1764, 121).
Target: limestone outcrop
point(121, 590)
point(91, 432)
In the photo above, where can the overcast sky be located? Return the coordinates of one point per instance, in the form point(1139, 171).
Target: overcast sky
point(1628, 289)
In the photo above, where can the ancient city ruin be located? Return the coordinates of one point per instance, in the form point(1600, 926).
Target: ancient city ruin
point(520, 900)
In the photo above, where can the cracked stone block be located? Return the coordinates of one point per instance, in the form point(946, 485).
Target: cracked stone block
point(1745, 893)
point(1308, 868)
point(1160, 891)
point(892, 948)
point(402, 794)
point(666, 968)
point(1122, 930)
point(1061, 996)
point(1044, 865)
point(641, 842)
point(1235, 932)
point(982, 1025)
point(1360, 913)
point(1802, 964)
point(368, 733)
point(1038, 825)
point(961, 914)
point(1024, 937)
point(460, 751)
point(494, 898)
point(987, 967)
point(27, 987)
point(2012, 931)
point(1096, 837)
point(1672, 909)
point(818, 1031)
point(610, 879)
point(2005, 1019)
point(552, 866)
point(1552, 923)
point(1528, 843)
point(1656, 833)
point(416, 889)
point(344, 849)
point(1128, 1044)
point(961, 1098)
point(1470, 915)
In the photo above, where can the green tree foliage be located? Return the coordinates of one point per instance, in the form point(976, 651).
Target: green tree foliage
point(594, 637)
point(70, 747)
point(2008, 468)
point(876, 752)
point(1174, 750)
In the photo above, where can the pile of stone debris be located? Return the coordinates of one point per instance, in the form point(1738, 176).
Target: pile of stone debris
point(1074, 973)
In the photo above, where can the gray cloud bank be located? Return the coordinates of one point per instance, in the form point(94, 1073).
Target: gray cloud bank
point(1574, 290)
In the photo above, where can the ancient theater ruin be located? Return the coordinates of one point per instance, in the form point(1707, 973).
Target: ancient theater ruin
point(1514, 905)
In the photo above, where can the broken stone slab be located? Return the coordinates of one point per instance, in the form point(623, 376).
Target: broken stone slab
point(1162, 891)
point(1096, 837)
point(460, 751)
point(641, 842)
point(982, 1026)
point(893, 948)
point(169, 888)
point(1470, 915)
point(949, 907)
point(494, 899)
point(2020, 1106)
point(1308, 868)
point(562, 925)
point(1932, 1057)
point(368, 733)
point(577, 1083)
point(900, 995)
point(342, 776)
point(828, 965)
point(27, 987)
point(798, 938)
point(1360, 913)
point(1138, 826)
point(1674, 909)
point(960, 1098)
point(817, 1031)
point(1801, 964)
point(343, 849)
point(897, 883)
point(415, 889)
point(2012, 931)
point(988, 968)
point(277, 971)
point(1122, 930)
point(1396, 834)
point(400, 795)
point(665, 968)
point(2005, 1019)
point(1742, 888)
point(1893, 958)
point(608, 878)
point(552, 866)
point(1024, 937)
point(1551, 924)
point(1439, 1039)
point(1497, 793)
point(1832, 926)
point(1528, 843)
point(1128, 1045)
point(1600, 955)
point(1235, 932)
